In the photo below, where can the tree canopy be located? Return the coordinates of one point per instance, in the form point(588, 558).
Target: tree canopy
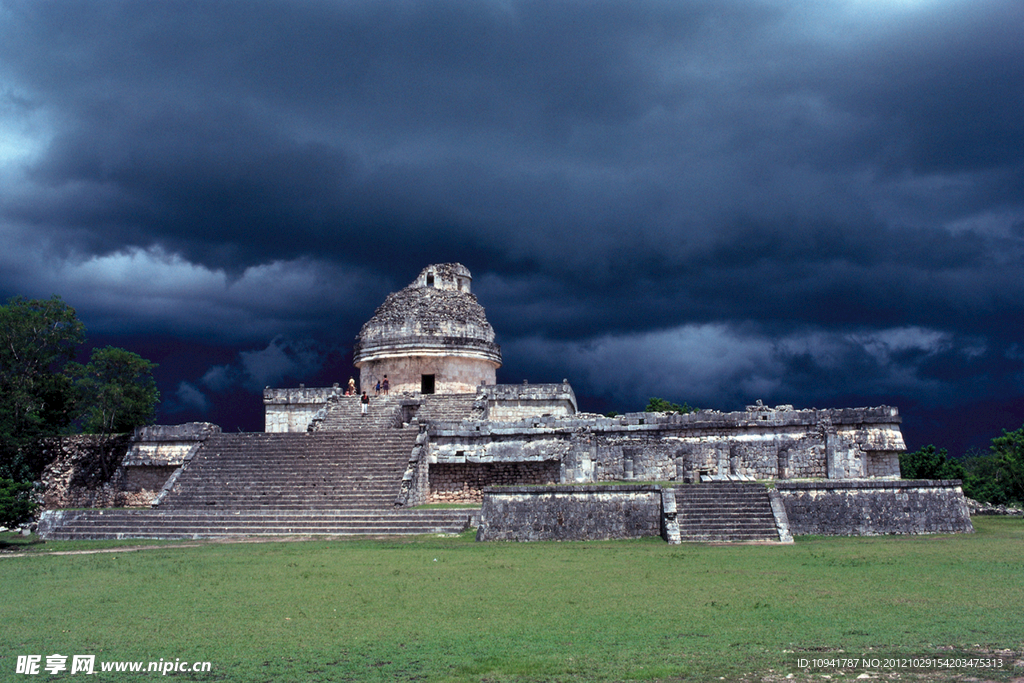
point(929, 463)
point(44, 393)
point(660, 405)
point(995, 477)
point(117, 391)
point(37, 397)
point(1008, 450)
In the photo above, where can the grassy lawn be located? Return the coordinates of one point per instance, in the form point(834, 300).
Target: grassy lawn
point(450, 609)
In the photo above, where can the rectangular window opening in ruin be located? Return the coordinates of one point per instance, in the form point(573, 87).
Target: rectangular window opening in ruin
point(426, 384)
point(430, 280)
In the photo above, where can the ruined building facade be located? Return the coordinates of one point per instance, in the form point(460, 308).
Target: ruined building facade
point(538, 468)
point(432, 340)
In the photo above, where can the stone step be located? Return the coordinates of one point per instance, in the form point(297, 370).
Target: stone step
point(113, 523)
point(446, 408)
point(316, 469)
point(725, 511)
point(344, 414)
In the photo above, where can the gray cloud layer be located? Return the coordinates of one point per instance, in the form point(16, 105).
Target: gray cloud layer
point(827, 197)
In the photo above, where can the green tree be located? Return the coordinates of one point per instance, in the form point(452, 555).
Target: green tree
point(1008, 450)
point(117, 389)
point(16, 503)
point(927, 463)
point(660, 405)
point(985, 480)
point(37, 397)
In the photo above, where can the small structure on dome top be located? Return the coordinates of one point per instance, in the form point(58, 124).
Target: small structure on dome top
point(431, 337)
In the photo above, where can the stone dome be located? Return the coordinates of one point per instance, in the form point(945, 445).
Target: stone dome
point(430, 337)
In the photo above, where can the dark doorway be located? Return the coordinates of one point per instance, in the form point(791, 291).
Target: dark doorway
point(426, 384)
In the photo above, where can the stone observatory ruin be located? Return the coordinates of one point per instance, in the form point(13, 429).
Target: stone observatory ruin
point(521, 458)
point(431, 337)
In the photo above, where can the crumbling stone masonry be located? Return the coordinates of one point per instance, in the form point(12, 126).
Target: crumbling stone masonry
point(291, 410)
point(512, 402)
point(759, 443)
point(85, 471)
point(873, 508)
point(464, 483)
point(430, 337)
point(122, 470)
point(571, 513)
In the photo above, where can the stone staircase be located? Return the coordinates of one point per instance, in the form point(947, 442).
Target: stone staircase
point(359, 469)
point(725, 511)
point(344, 414)
point(266, 484)
point(446, 408)
point(122, 523)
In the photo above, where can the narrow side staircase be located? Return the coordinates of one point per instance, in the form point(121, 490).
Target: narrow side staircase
point(344, 413)
point(725, 511)
point(446, 408)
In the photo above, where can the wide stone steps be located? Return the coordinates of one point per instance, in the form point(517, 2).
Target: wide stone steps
point(725, 511)
point(319, 470)
point(192, 524)
point(446, 407)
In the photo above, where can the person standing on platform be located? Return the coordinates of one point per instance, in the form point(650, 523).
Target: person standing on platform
point(365, 401)
point(385, 385)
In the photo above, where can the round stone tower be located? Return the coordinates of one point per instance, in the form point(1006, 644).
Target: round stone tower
point(431, 337)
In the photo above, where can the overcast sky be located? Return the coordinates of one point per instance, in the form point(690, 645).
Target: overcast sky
point(817, 203)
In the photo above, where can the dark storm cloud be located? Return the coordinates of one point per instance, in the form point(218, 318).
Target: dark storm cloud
point(794, 185)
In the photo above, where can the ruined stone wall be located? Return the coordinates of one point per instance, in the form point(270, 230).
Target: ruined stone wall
point(465, 483)
point(146, 481)
point(415, 488)
point(570, 513)
point(663, 455)
point(452, 374)
point(759, 444)
point(883, 464)
point(291, 410)
point(487, 442)
point(86, 471)
point(118, 471)
point(871, 508)
point(513, 402)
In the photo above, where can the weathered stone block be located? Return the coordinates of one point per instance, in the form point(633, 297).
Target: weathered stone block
point(570, 513)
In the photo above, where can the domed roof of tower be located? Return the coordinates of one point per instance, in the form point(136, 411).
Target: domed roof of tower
point(438, 303)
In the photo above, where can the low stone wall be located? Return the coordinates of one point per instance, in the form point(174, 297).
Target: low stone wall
point(291, 410)
point(511, 402)
point(570, 513)
point(875, 507)
point(465, 483)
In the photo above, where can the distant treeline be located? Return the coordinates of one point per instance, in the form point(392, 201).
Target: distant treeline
point(995, 477)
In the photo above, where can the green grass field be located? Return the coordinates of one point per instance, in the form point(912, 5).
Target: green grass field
point(450, 609)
